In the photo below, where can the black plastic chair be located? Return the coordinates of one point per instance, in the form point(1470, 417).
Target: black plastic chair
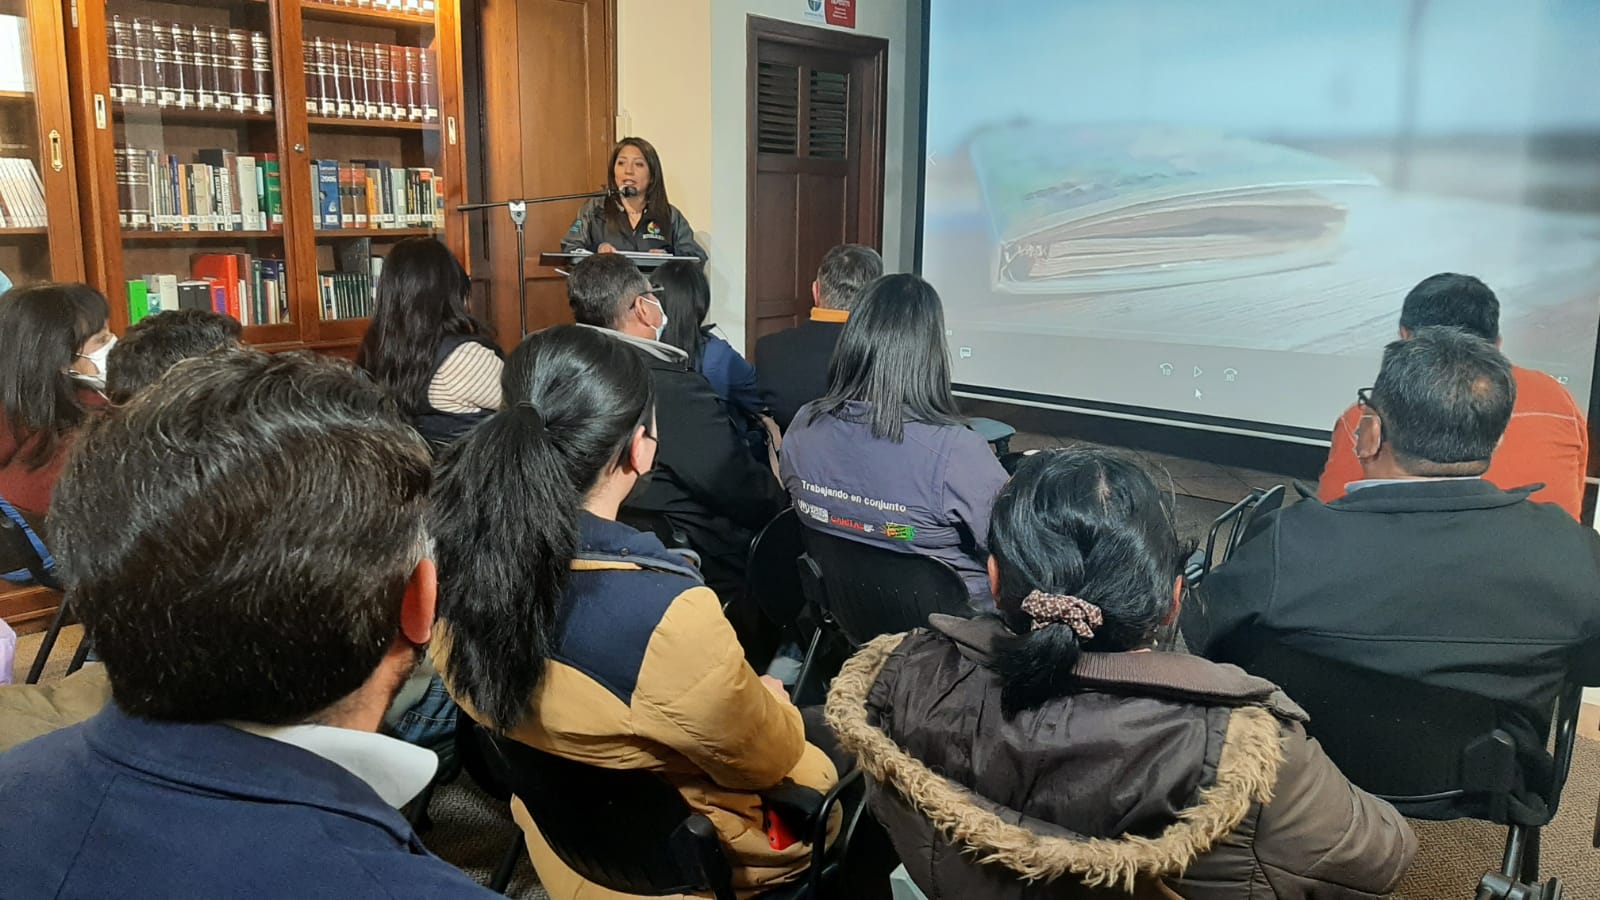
point(771, 578)
point(1433, 752)
point(1237, 522)
point(632, 831)
point(862, 591)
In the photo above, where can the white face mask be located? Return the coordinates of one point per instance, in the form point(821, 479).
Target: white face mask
point(662, 328)
point(98, 357)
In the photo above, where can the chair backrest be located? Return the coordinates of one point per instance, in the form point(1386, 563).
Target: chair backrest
point(871, 591)
point(1434, 752)
point(771, 578)
point(629, 831)
point(17, 552)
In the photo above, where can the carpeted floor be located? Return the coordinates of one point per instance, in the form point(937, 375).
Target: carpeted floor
point(473, 831)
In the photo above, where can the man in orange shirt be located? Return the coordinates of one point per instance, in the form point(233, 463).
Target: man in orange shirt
point(1547, 441)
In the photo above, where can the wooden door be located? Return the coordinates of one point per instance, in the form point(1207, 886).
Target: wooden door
point(815, 148)
point(541, 108)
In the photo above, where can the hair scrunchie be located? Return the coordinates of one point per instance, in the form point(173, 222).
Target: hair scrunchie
point(1063, 609)
point(532, 412)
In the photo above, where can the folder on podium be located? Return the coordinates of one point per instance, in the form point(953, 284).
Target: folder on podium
point(645, 261)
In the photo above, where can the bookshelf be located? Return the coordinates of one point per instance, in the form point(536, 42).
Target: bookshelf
point(38, 195)
point(263, 154)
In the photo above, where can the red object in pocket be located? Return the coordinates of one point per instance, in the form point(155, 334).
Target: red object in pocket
point(778, 834)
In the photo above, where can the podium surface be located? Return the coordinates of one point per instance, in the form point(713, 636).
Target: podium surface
point(645, 261)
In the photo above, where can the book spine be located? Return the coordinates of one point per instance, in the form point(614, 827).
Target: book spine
point(238, 78)
point(261, 68)
point(313, 81)
point(124, 188)
point(347, 203)
point(328, 193)
point(138, 303)
point(165, 70)
point(428, 82)
point(369, 194)
point(274, 193)
point(327, 82)
point(369, 55)
point(413, 76)
point(184, 74)
point(119, 38)
point(205, 92)
point(358, 78)
point(397, 192)
point(249, 208)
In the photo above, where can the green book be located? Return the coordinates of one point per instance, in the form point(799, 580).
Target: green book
point(274, 182)
point(138, 300)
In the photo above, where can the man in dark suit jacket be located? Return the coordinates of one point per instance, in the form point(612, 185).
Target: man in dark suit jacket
point(707, 491)
point(247, 547)
point(1423, 570)
point(792, 365)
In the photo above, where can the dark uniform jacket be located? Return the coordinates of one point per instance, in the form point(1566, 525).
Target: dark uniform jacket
point(1164, 775)
point(592, 228)
point(1448, 582)
point(792, 367)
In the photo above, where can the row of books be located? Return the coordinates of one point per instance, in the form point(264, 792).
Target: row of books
point(372, 193)
point(364, 80)
point(425, 7)
point(21, 194)
point(347, 295)
point(185, 66)
point(221, 191)
point(250, 289)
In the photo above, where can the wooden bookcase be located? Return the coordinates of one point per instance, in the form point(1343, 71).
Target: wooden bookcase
point(39, 240)
point(173, 121)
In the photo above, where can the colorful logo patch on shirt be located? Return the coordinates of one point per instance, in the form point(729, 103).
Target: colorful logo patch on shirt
point(652, 232)
point(899, 532)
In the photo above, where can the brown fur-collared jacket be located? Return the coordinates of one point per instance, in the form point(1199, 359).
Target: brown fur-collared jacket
point(1164, 776)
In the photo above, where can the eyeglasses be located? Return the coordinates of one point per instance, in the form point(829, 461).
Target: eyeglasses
point(1364, 399)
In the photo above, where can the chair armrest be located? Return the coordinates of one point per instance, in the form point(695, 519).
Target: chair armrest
point(796, 805)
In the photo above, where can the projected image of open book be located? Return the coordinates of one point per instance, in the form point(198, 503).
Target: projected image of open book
point(1122, 208)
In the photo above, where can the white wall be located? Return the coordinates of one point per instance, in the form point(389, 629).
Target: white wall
point(681, 85)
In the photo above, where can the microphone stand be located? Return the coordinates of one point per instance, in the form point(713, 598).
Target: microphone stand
point(519, 218)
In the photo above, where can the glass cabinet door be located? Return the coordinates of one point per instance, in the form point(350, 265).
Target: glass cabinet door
point(38, 214)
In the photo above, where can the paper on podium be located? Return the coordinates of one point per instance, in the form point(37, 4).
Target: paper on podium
point(642, 260)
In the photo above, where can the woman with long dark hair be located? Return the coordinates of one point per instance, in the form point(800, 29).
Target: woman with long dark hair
point(571, 632)
point(634, 217)
point(53, 341)
point(1054, 745)
point(885, 456)
point(425, 347)
point(685, 295)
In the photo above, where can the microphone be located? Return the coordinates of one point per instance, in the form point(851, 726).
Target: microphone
point(624, 191)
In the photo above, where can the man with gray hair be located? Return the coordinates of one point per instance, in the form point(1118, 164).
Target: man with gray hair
point(792, 365)
point(1424, 571)
point(707, 492)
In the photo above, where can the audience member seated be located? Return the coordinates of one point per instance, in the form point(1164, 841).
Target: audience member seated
point(707, 492)
point(247, 547)
point(1051, 742)
point(792, 365)
point(573, 633)
point(54, 341)
point(1547, 442)
point(425, 347)
point(1424, 570)
point(685, 296)
point(884, 457)
point(156, 343)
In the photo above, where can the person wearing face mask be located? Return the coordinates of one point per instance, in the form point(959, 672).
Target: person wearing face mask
point(635, 217)
point(707, 492)
point(53, 343)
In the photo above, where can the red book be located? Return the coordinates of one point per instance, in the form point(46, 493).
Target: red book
point(222, 270)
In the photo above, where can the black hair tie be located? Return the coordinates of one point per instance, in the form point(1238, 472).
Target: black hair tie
point(532, 413)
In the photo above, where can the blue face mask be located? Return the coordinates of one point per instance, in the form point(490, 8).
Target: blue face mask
point(5, 283)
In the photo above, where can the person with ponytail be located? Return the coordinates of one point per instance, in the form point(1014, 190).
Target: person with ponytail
point(1050, 751)
point(568, 631)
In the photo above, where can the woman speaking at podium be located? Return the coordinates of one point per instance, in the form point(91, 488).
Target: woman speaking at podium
point(636, 216)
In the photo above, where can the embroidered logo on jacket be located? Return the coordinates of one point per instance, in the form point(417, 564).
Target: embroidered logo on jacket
point(652, 232)
point(899, 532)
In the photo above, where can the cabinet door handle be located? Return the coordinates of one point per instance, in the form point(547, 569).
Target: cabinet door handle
point(450, 128)
point(55, 150)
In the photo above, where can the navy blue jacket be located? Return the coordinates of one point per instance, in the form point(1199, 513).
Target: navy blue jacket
point(123, 807)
